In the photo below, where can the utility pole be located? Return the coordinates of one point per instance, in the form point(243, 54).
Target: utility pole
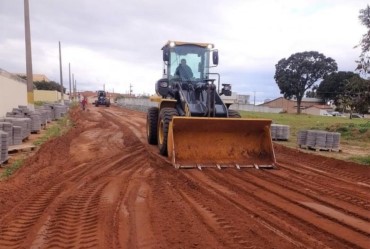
point(130, 89)
point(254, 98)
point(73, 87)
point(70, 93)
point(61, 74)
point(30, 97)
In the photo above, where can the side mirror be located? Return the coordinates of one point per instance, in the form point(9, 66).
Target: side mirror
point(215, 57)
point(226, 90)
point(166, 54)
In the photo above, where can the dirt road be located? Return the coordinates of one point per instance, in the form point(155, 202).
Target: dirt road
point(102, 186)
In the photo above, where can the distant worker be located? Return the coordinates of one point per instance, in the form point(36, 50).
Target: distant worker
point(84, 103)
point(184, 71)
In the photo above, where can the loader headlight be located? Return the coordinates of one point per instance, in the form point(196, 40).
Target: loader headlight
point(172, 44)
point(210, 46)
point(163, 84)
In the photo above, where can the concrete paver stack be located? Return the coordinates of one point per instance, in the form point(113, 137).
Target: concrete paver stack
point(319, 140)
point(3, 147)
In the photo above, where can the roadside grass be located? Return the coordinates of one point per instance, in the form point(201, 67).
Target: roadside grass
point(362, 160)
point(8, 171)
point(39, 103)
point(354, 132)
point(58, 129)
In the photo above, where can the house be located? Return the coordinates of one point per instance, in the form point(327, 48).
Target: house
point(318, 110)
point(13, 92)
point(290, 105)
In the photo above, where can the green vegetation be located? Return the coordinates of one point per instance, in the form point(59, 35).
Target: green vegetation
point(354, 132)
point(48, 85)
point(56, 130)
point(361, 159)
point(8, 171)
point(39, 103)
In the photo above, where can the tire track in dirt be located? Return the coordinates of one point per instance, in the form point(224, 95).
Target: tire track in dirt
point(90, 211)
point(14, 231)
point(175, 223)
point(316, 191)
point(326, 166)
point(259, 213)
point(271, 197)
point(76, 212)
point(326, 185)
point(134, 228)
point(73, 219)
point(216, 223)
point(360, 224)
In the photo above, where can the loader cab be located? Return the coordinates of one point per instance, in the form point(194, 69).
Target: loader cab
point(197, 56)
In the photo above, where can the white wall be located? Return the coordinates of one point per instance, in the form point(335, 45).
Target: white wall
point(143, 104)
point(13, 92)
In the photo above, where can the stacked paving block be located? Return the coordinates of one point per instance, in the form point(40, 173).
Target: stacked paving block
point(280, 132)
point(44, 116)
point(3, 147)
point(48, 112)
point(50, 109)
point(336, 141)
point(24, 123)
point(17, 135)
point(319, 140)
point(302, 138)
point(60, 111)
point(8, 128)
point(35, 121)
point(57, 110)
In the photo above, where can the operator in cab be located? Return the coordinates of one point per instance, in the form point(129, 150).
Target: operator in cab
point(184, 71)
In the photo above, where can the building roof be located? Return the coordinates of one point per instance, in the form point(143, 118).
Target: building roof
point(11, 76)
point(312, 100)
point(36, 77)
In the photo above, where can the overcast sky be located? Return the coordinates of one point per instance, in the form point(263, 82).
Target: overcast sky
point(118, 42)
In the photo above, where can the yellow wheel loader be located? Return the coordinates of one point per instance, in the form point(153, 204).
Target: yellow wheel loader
point(192, 124)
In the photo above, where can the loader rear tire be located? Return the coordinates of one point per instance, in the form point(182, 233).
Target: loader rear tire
point(152, 125)
point(165, 117)
point(234, 114)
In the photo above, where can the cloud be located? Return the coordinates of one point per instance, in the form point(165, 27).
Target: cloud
point(118, 43)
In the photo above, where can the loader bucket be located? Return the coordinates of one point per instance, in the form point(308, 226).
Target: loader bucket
point(221, 142)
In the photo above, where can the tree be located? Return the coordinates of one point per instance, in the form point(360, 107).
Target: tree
point(364, 60)
point(355, 95)
point(333, 85)
point(50, 85)
point(300, 71)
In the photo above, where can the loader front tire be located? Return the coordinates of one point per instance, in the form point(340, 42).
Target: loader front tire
point(152, 125)
point(165, 117)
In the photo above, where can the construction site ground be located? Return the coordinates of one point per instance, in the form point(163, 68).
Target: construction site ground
point(101, 185)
